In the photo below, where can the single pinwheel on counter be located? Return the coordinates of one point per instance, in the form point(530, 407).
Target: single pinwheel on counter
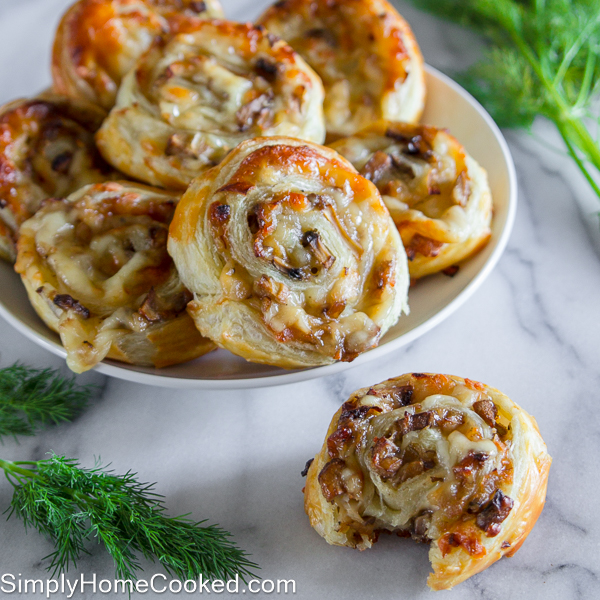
point(444, 460)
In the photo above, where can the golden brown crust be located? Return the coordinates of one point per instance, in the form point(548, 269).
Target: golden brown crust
point(97, 272)
point(46, 149)
point(192, 99)
point(291, 255)
point(494, 462)
point(364, 52)
point(437, 194)
point(98, 41)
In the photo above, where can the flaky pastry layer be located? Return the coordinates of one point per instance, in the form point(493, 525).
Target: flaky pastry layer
point(97, 271)
point(192, 99)
point(98, 41)
point(291, 255)
point(437, 194)
point(47, 149)
point(444, 460)
point(364, 52)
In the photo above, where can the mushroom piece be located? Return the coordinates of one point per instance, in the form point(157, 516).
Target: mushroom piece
point(312, 241)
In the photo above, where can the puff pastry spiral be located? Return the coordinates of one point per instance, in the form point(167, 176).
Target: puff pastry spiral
point(437, 194)
point(365, 53)
point(97, 271)
point(291, 255)
point(98, 41)
point(192, 99)
point(46, 149)
point(439, 458)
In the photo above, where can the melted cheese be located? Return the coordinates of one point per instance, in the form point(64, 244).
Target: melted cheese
point(364, 52)
point(437, 195)
point(97, 271)
point(97, 43)
point(188, 103)
point(323, 260)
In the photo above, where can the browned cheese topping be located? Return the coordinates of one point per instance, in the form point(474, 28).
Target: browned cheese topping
point(428, 458)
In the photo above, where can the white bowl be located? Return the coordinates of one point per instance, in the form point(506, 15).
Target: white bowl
point(431, 301)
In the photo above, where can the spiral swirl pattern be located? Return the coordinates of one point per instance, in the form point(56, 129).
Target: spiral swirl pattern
point(364, 52)
point(99, 41)
point(437, 194)
point(190, 100)
point(445, 460)
point(46, 150)
point(97, 271)
point(291, 255)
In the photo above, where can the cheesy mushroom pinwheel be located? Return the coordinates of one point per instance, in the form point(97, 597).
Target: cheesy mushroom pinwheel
point(192, 99)
point(437, 194)
point(444, 460)
point(46, 149)
point(97, 271)
point(365, 53)
point(291, 255)
point(98, 41)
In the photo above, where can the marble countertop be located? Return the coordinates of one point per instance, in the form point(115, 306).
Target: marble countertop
point(235, 457)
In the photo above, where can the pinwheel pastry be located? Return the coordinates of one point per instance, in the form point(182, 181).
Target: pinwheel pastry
point(98, 41)
point(365, 53)
point(46, 149)
point(291, 255)
point(192, 99)
point(444, 460)
point(97, 271)
point(436, 193)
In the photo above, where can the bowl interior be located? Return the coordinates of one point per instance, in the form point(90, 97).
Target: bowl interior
point(431, 300)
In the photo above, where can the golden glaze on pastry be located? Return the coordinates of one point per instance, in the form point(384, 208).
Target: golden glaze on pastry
point(98, 41)
point(438, 458)
point(46, 149)
point(192, 99)
point(436, 193)
point(291, 255)
point(97, 271)
point(365, 53)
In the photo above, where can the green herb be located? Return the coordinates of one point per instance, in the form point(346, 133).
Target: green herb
point(545, 61)
point(32, 398)
point(71, 505)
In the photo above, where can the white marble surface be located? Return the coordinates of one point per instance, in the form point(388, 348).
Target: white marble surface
point(235, 458)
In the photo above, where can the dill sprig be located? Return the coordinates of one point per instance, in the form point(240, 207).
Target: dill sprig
point(71, 505)
point(33, 398)
point(545, 60)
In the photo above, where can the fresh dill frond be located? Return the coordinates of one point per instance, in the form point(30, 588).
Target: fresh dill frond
point(544, 61)
point(511, 96)
point(33, 398)
point(71, 505)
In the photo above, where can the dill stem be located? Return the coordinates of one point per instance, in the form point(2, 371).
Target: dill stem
point(10, 467)
point(578, 160)
point(571, 128)
point(586, 84)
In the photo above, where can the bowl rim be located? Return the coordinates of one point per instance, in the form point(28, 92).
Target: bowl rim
point(295, 376)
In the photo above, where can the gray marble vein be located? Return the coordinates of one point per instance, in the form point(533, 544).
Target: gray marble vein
point(532, 330)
